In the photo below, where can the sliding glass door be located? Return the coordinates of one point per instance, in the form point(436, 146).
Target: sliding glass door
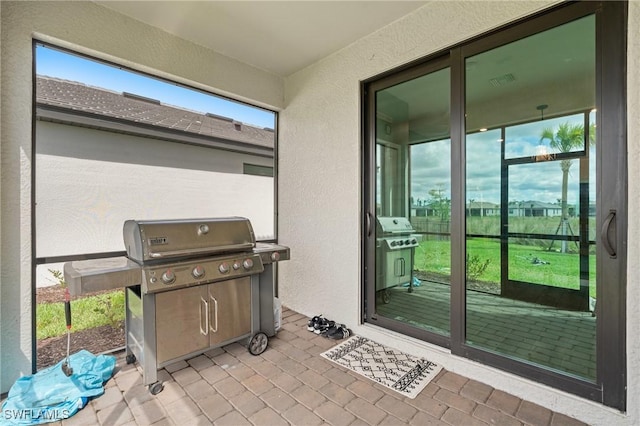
point(531, 281)
point(413, 202)
point(495, 210)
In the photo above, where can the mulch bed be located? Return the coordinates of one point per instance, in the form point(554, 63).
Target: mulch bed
point(95, 340)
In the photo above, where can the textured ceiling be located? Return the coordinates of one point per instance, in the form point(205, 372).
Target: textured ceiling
point(278, 36)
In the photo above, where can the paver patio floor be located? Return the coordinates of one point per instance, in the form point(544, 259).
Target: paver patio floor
point(291, 384)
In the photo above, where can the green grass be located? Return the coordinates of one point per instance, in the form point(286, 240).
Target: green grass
point(552, 268)
point(88, 312)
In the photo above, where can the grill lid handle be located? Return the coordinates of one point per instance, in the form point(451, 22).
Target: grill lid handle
point(193, 252)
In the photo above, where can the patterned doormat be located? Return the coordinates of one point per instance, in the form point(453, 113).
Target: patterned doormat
point(403, 373)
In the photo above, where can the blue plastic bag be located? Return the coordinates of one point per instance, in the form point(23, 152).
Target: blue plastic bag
point(415, 282)
point(49, 395)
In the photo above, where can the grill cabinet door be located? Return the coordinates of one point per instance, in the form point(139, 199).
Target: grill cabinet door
point(181, 326)
point(230, 309)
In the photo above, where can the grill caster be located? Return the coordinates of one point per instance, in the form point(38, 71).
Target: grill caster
point(156, 388)
point(130, 359)
point(384, 296)
point(258, 343)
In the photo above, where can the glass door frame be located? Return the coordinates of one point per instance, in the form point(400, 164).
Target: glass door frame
point(611, 187)
point(369, 198)
point(558, 297)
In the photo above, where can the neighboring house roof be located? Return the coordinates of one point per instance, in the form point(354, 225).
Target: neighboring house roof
point(79, 104)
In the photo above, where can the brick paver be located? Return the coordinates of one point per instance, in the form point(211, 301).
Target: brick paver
point(395, 406)
point(534, 414)
point(215, 406)
point(290, 384)
point(248, 404)
point(335, 414)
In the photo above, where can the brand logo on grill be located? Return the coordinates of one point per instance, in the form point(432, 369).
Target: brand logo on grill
point(156, 241)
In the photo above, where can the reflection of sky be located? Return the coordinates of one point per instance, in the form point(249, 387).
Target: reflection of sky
point(524, 140)
point(430, 169)
point(483, 166)
point(542, 181)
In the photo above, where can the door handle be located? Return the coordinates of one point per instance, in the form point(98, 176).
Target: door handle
point(604, 234)
point(368, 224)
point(215, 316)
point(204, 330)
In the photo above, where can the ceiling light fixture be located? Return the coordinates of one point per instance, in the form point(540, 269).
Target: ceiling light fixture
point(541, 108)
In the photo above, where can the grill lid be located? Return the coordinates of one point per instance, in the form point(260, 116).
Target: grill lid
point(394, 225)
point(171, 239)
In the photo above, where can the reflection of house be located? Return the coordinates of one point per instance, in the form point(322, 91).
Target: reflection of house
point(425, 210)
point(574, 210)
point(480, 208)
point(516, 208)
point(534, 209)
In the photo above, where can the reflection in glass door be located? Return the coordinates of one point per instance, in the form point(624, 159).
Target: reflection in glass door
point(531, 203)
point(495, 219)
point(413, 204)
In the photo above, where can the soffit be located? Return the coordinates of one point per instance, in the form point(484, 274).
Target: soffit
point(278, 36)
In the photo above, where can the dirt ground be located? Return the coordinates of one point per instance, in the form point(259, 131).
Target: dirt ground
point(95, 340)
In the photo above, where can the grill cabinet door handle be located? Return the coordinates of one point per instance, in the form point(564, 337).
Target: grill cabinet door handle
point(204, 330)
point(215, 316)
point(604, 234)
point(368, 224)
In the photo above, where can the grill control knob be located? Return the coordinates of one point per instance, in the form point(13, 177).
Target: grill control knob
point(407, 242)
point(247, 264)
point(275, 256)
point(400, 243)
point(393, 243)
point(236, 266)
point(224, 267)
point(168, 277)
point(414, 241)
point(203, 229)
point(198, 272)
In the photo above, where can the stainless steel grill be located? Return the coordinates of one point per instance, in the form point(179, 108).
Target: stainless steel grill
point(395, 251)
point(191, 285)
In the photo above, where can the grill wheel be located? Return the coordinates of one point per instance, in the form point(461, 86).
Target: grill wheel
point(258, 343)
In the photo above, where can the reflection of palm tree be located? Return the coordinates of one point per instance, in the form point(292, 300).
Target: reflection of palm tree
point(566, 139)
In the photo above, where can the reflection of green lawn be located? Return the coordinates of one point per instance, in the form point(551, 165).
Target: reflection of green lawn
point(526, 263)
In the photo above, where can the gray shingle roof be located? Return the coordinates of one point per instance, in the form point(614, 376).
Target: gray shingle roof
point(79, 97)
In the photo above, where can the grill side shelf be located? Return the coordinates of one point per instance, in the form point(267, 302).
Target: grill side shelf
point(87, 276)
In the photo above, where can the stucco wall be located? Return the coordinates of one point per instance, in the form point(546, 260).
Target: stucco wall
point(94, 30)
point(88, 182)
point(319, 153)
point(633, 266)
